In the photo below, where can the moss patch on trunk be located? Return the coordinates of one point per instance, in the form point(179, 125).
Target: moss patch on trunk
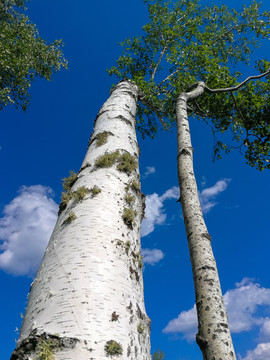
point(43, 346)
point(113, 348)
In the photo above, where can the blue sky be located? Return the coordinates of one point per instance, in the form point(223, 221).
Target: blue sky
point(39, 148)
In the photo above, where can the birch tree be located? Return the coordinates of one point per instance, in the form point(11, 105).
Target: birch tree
point(186, 64)
point(87, 299)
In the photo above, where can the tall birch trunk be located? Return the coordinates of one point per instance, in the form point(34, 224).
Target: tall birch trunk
point(213, 337)
point(87, 300)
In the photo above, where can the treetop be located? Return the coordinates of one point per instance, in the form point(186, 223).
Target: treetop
point(186, 42)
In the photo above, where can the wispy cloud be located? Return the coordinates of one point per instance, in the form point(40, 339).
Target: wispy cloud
point(152, 256)
point(242, 305)
point(208, 195)
point(25, 229)
point(261, 352)
point(149, 171)
point(155, 211)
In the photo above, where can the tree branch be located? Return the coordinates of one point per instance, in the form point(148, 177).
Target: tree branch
point(164, 50)
point(168, 77)
point(234, 88)
point(159, 61)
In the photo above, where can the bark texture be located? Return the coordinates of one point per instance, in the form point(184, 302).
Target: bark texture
point(213, 337)
point(87, 300)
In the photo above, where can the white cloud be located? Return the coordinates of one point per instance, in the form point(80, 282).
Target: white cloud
point(208, 195)
point(261, 352)
point(25, 229)
point(242, 304)
point(154, 211)
point(149, 171)
point(152, 256)
point(185, 323)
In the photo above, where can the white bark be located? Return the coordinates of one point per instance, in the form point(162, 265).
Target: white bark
point(89, 286)
point(213, 336)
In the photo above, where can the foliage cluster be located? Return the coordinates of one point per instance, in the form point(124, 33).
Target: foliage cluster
point(158, 355)
point(24, 55)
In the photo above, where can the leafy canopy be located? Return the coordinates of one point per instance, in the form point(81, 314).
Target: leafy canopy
point(23, 55)
point(185, 43)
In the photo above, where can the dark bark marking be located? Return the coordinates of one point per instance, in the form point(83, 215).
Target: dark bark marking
point(125, 120)
point(207, 236)
point(143, 206)
point(206, 267)
point(29, 345)
point(139, 312)
point(132, 271)
point(114, 316)
point(128, 92)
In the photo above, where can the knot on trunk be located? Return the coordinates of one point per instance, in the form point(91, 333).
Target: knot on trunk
point(186, 151)
point(202, 342)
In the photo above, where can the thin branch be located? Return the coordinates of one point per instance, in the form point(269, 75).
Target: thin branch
point(168, 77)
point(233, 88)
point(199, 108)
point(226, 32)
point(159, 61)
point(163, 51)
point(237, 109)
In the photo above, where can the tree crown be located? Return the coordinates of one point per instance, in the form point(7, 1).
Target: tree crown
point(24, 55)
point(185, 43)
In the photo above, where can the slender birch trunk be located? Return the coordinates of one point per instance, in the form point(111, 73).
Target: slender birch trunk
point(213, 337)
point(87, 300)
